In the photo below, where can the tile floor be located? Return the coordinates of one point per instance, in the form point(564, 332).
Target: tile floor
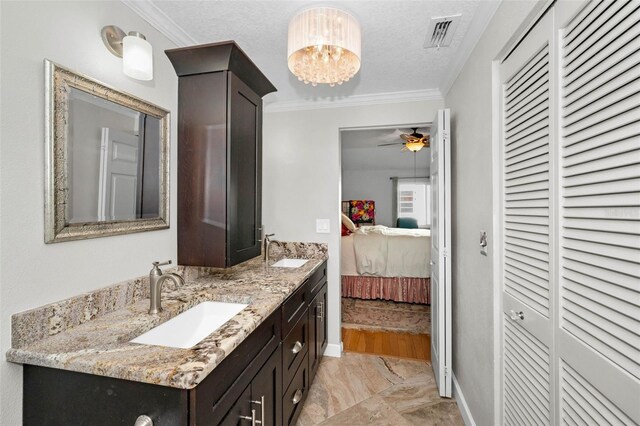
point(385, 315)
point(372, 390)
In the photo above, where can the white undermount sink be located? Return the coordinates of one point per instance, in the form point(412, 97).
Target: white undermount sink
point(191, 326)
point(290, 263)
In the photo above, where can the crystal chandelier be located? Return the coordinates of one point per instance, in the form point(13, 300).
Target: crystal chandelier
point(324, 46)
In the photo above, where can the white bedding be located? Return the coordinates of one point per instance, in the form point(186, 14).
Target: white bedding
point(387, 252)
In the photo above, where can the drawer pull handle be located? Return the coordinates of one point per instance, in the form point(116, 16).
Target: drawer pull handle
point(261, 404)
point(297, 347)
point(516, 315)
point(254, 422)
point(297, 397)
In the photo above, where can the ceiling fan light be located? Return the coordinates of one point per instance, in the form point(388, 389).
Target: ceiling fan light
point(414, 146)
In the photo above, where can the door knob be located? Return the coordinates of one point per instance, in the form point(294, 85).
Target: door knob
point(516, 315)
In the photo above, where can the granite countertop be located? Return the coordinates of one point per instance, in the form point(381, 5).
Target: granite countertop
point(100, 345)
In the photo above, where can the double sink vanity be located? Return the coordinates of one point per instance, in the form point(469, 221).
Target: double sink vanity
point(238, 345)
point(232, 338)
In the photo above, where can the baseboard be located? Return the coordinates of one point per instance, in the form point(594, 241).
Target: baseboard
point(462, 403)
point(333, 350)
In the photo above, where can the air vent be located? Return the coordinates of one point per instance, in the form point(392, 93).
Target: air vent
point(441, 30)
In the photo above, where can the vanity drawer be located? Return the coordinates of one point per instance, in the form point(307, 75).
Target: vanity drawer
point(294, 396)
point(294, 348)
point(317, 280)
point(295, 307)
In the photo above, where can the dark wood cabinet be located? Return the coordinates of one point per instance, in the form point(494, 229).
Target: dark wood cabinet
point(266, 388)
point(219, 154)
point(267, 377)
point(260, 400)
point(237, 414)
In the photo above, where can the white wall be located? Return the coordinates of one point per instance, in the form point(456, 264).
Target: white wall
point(301, 175)
point(32, 273)
point(375, 184)
point(470, 98)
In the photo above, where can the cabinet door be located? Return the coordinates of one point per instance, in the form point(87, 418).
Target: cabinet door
point(317, 330)
point(244, 180)
point(240, 412)
point(266, 391)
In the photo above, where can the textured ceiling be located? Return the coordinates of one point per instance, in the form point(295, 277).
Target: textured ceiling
point(393, 34)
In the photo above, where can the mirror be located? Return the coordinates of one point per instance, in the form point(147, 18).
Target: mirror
point(107, 160)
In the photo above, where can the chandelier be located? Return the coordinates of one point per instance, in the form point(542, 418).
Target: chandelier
point(324, 46)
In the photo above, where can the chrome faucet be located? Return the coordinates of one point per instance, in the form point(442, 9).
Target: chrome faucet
point(267, 244)
point(266, 241)
point(156, 279)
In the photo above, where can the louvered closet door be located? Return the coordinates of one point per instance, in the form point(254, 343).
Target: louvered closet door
point(598, 330)
point(527, 169)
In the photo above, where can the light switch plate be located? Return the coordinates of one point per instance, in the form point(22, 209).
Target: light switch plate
point(483, 242)
point(322, 226)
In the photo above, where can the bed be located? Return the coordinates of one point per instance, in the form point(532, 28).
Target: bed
point(387, 263)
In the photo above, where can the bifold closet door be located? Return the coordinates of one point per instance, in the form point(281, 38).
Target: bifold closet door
point(527, 230)
point(598, 328)
point(570, 264)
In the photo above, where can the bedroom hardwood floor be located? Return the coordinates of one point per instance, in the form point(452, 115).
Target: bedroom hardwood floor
point(401, 345)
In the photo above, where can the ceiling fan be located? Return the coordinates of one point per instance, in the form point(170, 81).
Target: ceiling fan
point(413, 142)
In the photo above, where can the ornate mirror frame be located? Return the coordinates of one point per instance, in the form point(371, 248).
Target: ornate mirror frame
point(58, 82)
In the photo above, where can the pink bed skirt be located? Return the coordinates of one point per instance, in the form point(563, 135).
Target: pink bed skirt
point(398, 289)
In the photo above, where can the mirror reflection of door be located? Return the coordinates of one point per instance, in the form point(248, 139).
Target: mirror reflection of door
point(118, 186)
point(114, 161)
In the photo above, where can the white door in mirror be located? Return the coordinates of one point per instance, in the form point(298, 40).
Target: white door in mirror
point(191, 326)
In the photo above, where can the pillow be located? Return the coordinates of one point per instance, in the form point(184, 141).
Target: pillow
point(348, 223)
point(345, 231)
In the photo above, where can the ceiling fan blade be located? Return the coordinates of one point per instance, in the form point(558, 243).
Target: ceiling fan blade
point(407, 137)
point(389, 144)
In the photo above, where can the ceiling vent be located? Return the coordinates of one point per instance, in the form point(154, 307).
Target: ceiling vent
point(441, 30)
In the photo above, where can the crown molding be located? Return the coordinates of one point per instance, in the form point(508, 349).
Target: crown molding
point(479, 23)
point(160, 21)
point(356, 100)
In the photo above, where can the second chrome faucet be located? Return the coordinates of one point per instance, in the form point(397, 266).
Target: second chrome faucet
point(156, 280)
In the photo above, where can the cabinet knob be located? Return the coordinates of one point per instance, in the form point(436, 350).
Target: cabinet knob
point(297, 397)
point(297, 347)
point(143, 420)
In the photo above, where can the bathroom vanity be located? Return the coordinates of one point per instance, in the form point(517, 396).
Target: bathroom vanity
point(256, 369)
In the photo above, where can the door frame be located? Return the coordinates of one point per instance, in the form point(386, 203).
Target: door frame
point(342, 129)
point(496, 169)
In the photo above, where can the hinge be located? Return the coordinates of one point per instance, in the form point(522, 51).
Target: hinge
point(445, 252)
point(446, 371)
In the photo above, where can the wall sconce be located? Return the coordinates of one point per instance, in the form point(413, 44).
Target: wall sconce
point(134, 49)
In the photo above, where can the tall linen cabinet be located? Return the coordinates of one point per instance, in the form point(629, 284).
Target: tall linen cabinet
point(220, 94)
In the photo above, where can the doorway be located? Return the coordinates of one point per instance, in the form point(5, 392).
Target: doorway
point(385, 192)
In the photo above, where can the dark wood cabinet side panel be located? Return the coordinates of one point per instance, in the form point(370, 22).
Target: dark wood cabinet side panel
point(55, 397)
point(202, 169)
